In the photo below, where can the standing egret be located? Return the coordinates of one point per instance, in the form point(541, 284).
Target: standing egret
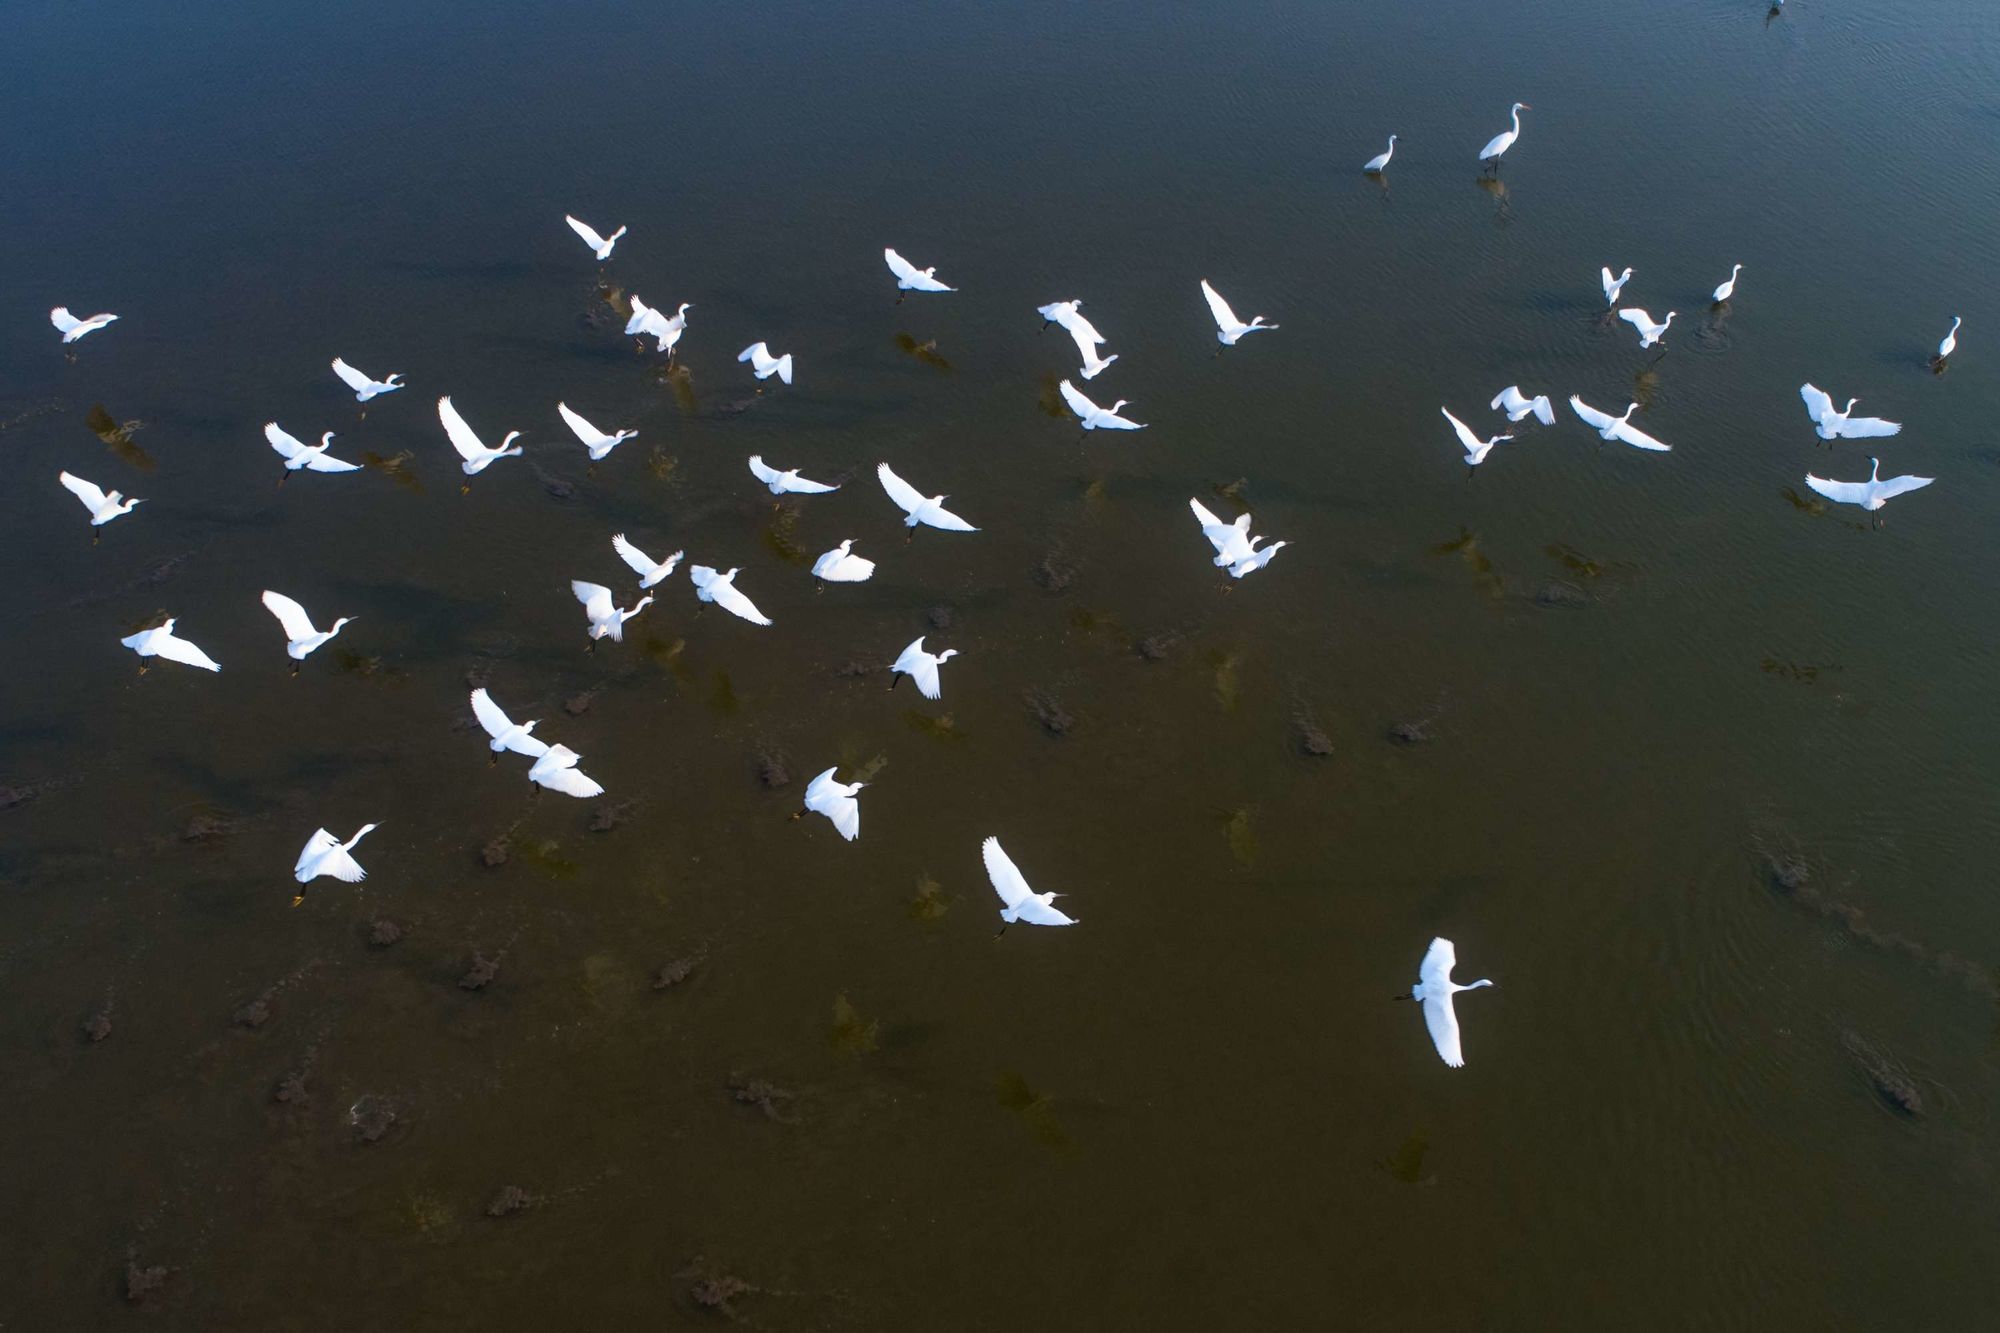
point(1018, 902)
point(721, 589)
point(476, 455)
point(601, 246)
point(1871, 494)
point(764, 365)
point(1232, 541)
point(1374, 165)
point(1435, 988)
point(1476, 449)
point(1948, 346)
point(606, 620)
point(507, 734)
point(1228, 328)
point(103, 505)
point(918, 508)
point(835, 800)
point(1649, 332)
point(1094, 417)
point(73, 328)
point(1831, 425)
point(1517, 405)
point(1727, 289)
point(161, 641)
point(920, 666)
point(841, 565)
point(1497, 146)
point(555, 768)
point(1617, 428)
point(297, 454)
point(910, 278)
point(328, 855)
point(1613, 286)
point(649, 570)
point(302, 638)
point(788, 482)
point(596, 441)
point(364, 386)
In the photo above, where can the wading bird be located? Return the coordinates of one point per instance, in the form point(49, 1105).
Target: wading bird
point(1649, 332)
point(1613, 286)
point(1374, 165)
point(920, 666)
point(1727, 289)
point(364, 387)
point(505, 732)
point(476, 455)
point(1018, 902)
point(1949, 345)
point(1517, 405)
point(1831, 425)
point(649, 570)
point(1616, 428)
point(297, 454)
point(1871, 494)
point(601, 246)
point(788, 482)
point(910, 278)
point(1435, 988)
point(606, 620)
point(840, 565)
point(73, 328)
point(1497, 146)
point(721, 589)
point(1232, 541)
point(328, 855)
point(836, 801)
point(596, 441)
point(1228, 328)
point(1476, 449)
point(161, 641)
point(556, 769)
point(764, 365)
point(1070, 315)
point(1094, 417)
point(667, 329)
point(301, 638)
point(919, 509)
point(103, 505)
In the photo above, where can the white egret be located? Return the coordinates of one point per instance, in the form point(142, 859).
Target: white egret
point(1832, 425)
point(1617, 428)
point(910, 278)
point(1476, 449)
point(1094, 417)
point(836, 801)
point(302, 638)
point(506, 733)
point(1435, 988)
point(1257, 559)
point(606, 620)
point(1497, 146)
point(840, 565)
point(920, 666)
point(73, 328)
point(103, 505)
point(1613, 286)
point(297, 454)
point(476, 455)
point(1517, 405)
point(1374, 165)
point(1232, 541)
point(667, 329)
point(555, 768)
point(764, 365)
point(1018, 902)
point(1950, 343)
point(364, 386)
point(1649, 332)
point(649, 570)
point(1087, 338)
point(601, 246)
point(596, 441)
point(1727, 289)
point(918, 508)
point(721, 589)
point(161, 641)
point(788, 482)
point(328, 855)
point(1871, 494)
point(1228, 327)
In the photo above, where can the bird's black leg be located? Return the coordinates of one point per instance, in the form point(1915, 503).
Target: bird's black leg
point(895, 679)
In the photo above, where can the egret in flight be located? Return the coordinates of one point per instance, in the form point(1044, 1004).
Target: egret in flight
point(103, 506)
point(302, 639)
point(649, 570)
point(928, 510)
point(721, 589)
point(764, 365)
point(1616, 428)
point(476, 455)
point(161, 641)
point(1088, 339)
point(1727, 289)
point(667, 329)
point(556, 769)
point(1232, 541)
point(1018, 902)
point(788, 482)
point(365, 387)
point(1257, 559)
point(910, 278)
point(920, 666)
point(1435, 988)
point(841, 565)
point(1871, 494)
point(73, 328)
point(1497, 146)
point(506, 733)
point(1517, 405)
point(328, 855)
point(606, 620)
point(596, 441)
point(835, 800)
point(1613, 286)
point(600, 246)
point(297, 454)
point(1649, 332)
point(1948, 346)
point(1228, 328)
point(1476, 449)
point(1094, 417)
point(1831, 425)
point(1375, 165)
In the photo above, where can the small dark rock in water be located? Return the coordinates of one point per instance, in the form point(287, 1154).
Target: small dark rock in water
point(208, 828)
point(674, 973)
point(13, 796)
point(494, 853)
point(372, 1117)
point(1158, 647)
point(854, 666)
point(1411, 733)
point(382, 932)
point(481, 973)
point(1892, 1083)
point(1790, 873)
point(717, 1290)
point(1053, 577)
point(759, 1093)
point(145, 1284)
point(579, 704)
point(1311, 739)
point(1561, 595)
point(98, 1026)
point(510, 1200)
point(254, 1014)
point(1055, 719)
point(291, 1089)
point(771, 770)
point(607, 817)
point(938, 617)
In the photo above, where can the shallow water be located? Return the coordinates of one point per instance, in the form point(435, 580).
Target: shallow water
point(1635, 678)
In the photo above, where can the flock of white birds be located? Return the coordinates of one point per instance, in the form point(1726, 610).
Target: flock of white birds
point(554, 766)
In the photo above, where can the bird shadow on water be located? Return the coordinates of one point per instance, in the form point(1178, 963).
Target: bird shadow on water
point(1407, 1162)
point(117, 436)
point(1503, 208)
point(1035, 1109)
point(925, 351)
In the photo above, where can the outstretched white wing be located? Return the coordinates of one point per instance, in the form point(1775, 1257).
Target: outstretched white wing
point(298, 625)
point(1006, 876)
point(839, 806)
point(807, 486)
point(765, 473)
point(63, 320)
point(287, 445)
point(1817, 403)
point(1638, 439)
point(757, 354)
point(572, 782)
point(318, 845)
point(596, 598)
point(904, 494)
point(498, 724)
point(1225, 318)
point(327, 463)
point(642, 564)
point(899, 266)
point(1895, 486)
point(730, 599)
point(91, 495)
point(587, 232)
point(947, 521)
point(1637, 317)
point(1435, 974)
point(462, 439)
point(1868, 428)
point(351, 377)
point(1473, 444)
point(1545, 411)
point(1841, 492)
point(1082, 406)
point(176, 649)
point(585, 432)
point(1595, 419)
